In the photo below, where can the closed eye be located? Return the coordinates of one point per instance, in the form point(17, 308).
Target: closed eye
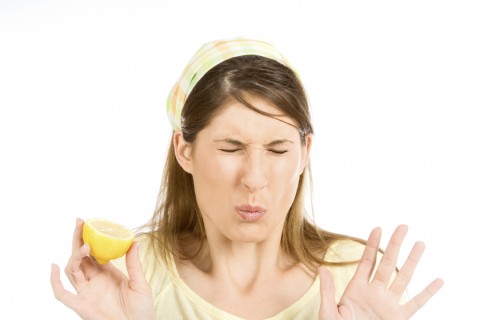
point(230, 150)
point(278, 151)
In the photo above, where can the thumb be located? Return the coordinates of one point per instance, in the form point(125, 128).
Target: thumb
point(328, 306)
point(134, 269)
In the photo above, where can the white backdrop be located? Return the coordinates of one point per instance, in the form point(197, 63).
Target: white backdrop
point(394, 90)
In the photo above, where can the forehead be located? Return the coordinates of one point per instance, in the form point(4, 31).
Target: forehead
point(235, 120)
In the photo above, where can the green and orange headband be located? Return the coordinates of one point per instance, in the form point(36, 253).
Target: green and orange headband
point(210, 55)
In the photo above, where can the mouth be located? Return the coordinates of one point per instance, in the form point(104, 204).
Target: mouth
point(250, 213)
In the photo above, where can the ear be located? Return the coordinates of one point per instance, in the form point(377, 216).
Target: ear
point(306, 151)
point(183, 151)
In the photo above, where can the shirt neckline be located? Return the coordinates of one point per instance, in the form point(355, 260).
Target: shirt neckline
point(222, 314)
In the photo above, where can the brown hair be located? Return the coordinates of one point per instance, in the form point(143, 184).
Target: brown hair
point(177, 213)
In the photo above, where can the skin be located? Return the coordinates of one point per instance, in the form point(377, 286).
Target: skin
point(243, 157)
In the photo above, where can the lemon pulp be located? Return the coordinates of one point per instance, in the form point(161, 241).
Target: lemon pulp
point(107, 240)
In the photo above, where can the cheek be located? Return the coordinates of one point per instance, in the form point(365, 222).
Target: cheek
point(214, 179)
point(286, 169)
point(216, 171)
point(284, 181)
point(215, 184)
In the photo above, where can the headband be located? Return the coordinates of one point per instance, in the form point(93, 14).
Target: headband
point(210, 55)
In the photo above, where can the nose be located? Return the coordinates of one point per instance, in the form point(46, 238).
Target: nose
point(255, 171)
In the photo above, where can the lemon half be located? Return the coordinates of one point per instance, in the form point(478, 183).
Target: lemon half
point(107, 240)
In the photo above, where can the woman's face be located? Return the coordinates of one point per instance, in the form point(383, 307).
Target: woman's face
point(246, 169)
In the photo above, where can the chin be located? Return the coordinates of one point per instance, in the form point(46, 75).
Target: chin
point(250, 236)
point(252, 239)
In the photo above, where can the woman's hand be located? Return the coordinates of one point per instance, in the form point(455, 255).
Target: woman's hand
point(377, 299)
point(103, 291)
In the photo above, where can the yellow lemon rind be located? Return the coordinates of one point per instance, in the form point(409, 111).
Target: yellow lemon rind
point(103, 246)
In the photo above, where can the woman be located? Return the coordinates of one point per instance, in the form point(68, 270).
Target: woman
point(230, 238)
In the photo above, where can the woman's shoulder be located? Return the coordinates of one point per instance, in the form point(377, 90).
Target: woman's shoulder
point(344, 250)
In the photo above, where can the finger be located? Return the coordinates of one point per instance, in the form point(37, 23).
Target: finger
point(62, 295)
point(369, 256)
point(401, 281)
point(389, 259)
point(328, 306)
point(75, 270)
point(89, 267)
point(77, 240)
point(135, 272)
point(422, 298)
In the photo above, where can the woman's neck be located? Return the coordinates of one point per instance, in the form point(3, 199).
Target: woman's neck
point(240, 264)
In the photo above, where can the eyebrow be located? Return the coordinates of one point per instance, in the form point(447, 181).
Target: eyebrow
point(239, 143)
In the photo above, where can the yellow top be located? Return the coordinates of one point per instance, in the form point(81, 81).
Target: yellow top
point(174, 300)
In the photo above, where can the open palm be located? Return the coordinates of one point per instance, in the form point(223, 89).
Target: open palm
point(377, 297)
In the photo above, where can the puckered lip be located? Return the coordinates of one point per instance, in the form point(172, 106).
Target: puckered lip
point(250, 208)
point(250, 213)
